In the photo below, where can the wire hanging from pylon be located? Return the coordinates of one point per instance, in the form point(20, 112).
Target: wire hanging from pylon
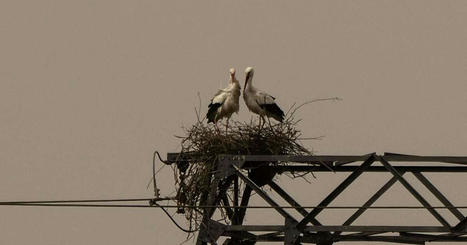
point(153, 204)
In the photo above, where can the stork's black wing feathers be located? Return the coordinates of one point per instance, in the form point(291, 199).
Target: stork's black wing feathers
point(212, 110)
point(273, 111)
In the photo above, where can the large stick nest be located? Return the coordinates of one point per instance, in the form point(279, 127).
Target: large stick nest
point(206, 142)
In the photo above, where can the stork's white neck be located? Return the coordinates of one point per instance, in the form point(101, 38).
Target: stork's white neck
point(249, 83)
point(232, 79)
point(234, 82)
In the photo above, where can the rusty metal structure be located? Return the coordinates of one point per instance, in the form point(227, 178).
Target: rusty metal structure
point(230, 169)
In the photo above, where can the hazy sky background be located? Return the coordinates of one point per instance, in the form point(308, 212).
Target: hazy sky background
point(88, 89)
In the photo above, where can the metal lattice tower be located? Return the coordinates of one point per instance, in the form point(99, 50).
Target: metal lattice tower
point(230, 169)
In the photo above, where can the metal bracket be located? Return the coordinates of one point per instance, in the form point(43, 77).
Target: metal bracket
point(234, 242)
point(225, 163)
point(461, 227)
point(292, 235)
point(212, 232)
point(323, 238)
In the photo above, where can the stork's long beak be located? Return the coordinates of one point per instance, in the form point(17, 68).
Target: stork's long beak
point(246, 79)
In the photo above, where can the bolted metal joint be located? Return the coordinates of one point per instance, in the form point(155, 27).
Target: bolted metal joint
point(225, 164)
point(292, 234)
point(323, 238)
point(212, 232)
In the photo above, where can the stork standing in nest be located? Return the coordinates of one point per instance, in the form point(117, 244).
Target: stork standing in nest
point(260, 102)
point(225, 102)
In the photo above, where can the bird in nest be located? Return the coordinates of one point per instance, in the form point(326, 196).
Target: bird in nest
point(260, 102)
point(225, 102)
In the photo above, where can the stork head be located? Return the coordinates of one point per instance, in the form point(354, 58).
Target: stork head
point(249, 70)
point(232, 74)
point(249, 74)
point(232, 71)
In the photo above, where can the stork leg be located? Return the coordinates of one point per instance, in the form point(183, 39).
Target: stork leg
point(227, 125)
point(217, 128)
point(263, 122)
point(259, 121)
point(269, 122)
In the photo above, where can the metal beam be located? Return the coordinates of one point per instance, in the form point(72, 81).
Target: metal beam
point(370, 201)
point(270, 235)
point(317, 159)
point(366, 233)
point(291, 234)
point(190, 156)
point(240, 212)
point(313, 238)
point(461, 227)
point(321, 163)
point(339, 189)
point(292, 202)
point(391, 239)
point(331, 228)
point(240, 237)
point(354, 158)
point(308, 168)
point(413, 158)
point(203, 234)
point(435, 238)
point(439, 195)
point(414, 192)
point(261, 193)
point(236, 189)
point(227, 208)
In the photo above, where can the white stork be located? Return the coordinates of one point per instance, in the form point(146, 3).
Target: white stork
point(260, 102)
point(225, 102)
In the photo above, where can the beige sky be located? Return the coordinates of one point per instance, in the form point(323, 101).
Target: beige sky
point(88, 89)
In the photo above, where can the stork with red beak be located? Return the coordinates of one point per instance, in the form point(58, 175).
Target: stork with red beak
point(225, 102)
point(260, 102)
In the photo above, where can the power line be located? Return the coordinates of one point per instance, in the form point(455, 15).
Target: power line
point(152, 203)
point(75, 203)
point(92, 200)
point(175, 222)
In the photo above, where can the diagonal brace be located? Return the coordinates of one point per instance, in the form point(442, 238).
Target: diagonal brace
point(227, 208)
point(292, 202)
point(461, 227)
point(239, 214)
point(263, 194)
point(370, 202)
point(414, 192)
point(439, 195)
point(339, 189)
point(212, 199)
